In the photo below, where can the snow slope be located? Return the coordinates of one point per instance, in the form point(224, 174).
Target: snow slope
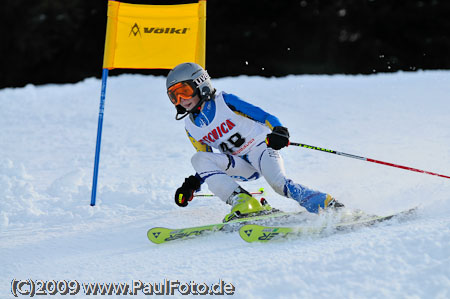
point(49, 231)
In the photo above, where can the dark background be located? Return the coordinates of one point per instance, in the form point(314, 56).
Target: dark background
point(58, 41)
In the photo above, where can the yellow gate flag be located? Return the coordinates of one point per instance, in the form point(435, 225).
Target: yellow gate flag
point(154, 36)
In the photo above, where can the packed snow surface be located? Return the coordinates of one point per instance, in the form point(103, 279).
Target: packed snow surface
point(50, 232)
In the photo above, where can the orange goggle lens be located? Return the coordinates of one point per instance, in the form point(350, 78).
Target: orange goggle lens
point(181, 90)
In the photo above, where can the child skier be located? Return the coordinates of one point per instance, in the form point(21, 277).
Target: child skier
point(248, 139)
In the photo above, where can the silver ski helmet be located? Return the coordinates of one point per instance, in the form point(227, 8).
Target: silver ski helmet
point(193, 75)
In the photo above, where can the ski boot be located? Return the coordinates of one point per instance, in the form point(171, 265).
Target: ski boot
point(330, 202)
point(317, 203)
point(243, 204)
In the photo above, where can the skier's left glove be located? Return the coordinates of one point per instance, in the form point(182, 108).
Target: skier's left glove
point(278, 139)
point(185, 193)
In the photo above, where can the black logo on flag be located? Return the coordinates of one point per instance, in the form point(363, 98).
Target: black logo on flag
point(166, 30)
point(135, 30)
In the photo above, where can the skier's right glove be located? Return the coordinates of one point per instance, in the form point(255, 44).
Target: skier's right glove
point(278, 139)
point(185, 193)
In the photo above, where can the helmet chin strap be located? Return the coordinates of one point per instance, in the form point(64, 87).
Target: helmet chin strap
point(204, 96)
point(181, 111)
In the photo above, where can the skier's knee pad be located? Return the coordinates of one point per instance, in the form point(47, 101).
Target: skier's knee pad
point(198, 158)
point(204, 159)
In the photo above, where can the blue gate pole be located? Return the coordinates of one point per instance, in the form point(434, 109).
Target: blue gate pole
point(99, 136)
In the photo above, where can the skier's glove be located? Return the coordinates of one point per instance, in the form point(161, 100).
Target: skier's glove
point(278, 139)
point(185, 193)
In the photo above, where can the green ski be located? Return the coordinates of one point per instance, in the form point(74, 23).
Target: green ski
point(159, 235)
point(260, 233)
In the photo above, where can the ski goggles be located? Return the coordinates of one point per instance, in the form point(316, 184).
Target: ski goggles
point(181, 90)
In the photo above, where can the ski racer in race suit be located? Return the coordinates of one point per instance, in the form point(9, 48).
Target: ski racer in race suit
point(247, 137)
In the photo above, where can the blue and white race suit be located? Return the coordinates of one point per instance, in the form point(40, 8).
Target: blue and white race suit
point(238, 130)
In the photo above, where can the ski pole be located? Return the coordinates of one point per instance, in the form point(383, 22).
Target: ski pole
point(366, 159)
point(259, 192)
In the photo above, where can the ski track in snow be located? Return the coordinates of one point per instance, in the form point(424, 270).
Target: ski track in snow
point(48, 231)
